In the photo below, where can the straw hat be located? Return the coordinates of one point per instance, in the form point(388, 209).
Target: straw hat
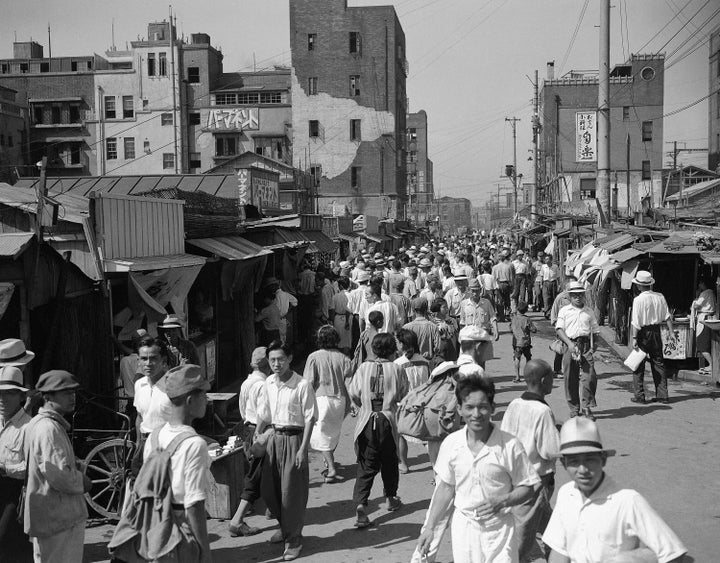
point(580, 435)
point(576, 287)
point(643, 278)
point(442, 368)
point(13, 352)
point(171, 321)
point(11, 379)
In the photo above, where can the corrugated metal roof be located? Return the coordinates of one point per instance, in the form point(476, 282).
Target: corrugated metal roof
point(13, 245)
point(150, 263)
point(676, 244)
point(613, 243)
point(73, 208)
point(626, 254)
point(694, 190)
point(321, 241)
point(230, 248)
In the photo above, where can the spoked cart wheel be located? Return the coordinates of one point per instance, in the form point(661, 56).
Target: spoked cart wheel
point(107, 466)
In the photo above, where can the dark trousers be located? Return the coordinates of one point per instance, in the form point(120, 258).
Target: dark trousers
point(558, 363)
point(284, 487)
point(650, 342)
point(377, 452)
point(15, 546)
point(580, 378)
point(253, 473)
point(305, 316)
point(504, 291)
point(520, 288)
point(549, 292)
point(532, 517)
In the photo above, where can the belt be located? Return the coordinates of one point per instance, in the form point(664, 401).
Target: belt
point(580, 338)
point(247, 423)
point(288, 430)
point(177, 506)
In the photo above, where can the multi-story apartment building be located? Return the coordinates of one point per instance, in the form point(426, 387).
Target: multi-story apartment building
point(349, 103)
point(12, 134)
point(714, 102)
point(419, 168)
point(455, 215)
point(568, 138)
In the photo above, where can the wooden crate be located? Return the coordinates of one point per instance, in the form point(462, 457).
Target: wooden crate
point(226, 484)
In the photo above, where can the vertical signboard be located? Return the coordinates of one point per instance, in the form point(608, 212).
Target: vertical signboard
point(586, 136)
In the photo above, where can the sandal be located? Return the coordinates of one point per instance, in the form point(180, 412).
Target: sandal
point(331, 478)
point(361, 519)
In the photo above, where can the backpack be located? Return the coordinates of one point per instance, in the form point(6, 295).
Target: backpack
point(429, 412)
point(149, 528)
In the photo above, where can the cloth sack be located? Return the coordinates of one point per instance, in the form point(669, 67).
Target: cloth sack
point(558, 346)
point(429, 412)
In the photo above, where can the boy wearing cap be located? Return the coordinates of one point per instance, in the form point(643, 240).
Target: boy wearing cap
point(187, 389)
point(578, 328)
point(649, 312)
point(471, 340)
point(13, 424)
point(530, 420)
point(55, 510)
point(597, 521)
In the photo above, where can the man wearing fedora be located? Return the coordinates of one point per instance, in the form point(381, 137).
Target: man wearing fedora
point(13, 353)
point(55, 510)
point(595, 520)
point(649, 312)
point(182, 351)
point(578, 328)
point(13, 424)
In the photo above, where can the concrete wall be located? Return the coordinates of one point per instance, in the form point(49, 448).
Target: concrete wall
point(714, 101)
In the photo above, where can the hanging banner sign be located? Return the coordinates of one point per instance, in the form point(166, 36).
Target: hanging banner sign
point(586, 136)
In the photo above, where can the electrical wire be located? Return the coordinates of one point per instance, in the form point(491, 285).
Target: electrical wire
point(574, 35)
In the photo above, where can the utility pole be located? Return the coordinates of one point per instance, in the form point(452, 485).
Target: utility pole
point(174, 82)
point(627, 172)
point(536, 154)
point(603, 118)
point(513, 121)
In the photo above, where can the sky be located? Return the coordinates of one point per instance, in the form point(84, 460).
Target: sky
point(471, 61)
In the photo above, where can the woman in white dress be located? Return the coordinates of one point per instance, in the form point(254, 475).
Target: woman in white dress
point(326, 370)
point(340, 316)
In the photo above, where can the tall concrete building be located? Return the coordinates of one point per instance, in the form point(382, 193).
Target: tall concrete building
point(350, 103)
point(714, 102)
point(12, 134)
point(455, 215)
point(568, 141)
point(419, 169)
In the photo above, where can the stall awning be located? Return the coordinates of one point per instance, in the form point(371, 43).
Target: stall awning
point(626, 254)
point(13, 245)
point(349, 238)
point(321, 241)
point(230, 247)
point(376, 237)
point(615, 242)
point(148, 263)
point(710, 258)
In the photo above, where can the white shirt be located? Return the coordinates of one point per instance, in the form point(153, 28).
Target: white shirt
point(417, 369)
point(500, 466)
point(577, 322)
point(12, 436)
point(549, 273)
point(521, 267)
point(152, 404)
point(287, 404)
point(391, 315)
point(488, 282)
point(649, 308)
point(284, 301)
point(250, 393)
point(189, 465)
point(453, 298)
point(612, 520)
point(532, 422)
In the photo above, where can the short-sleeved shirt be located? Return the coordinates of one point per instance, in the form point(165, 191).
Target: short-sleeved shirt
point(291, 403)
point(610, 521)
point(649, 308)
point(480, 314)
point(416, 369)
point(189, 465)
point(12, 436)
point(428, 336)
point(499, 467)
point(577, 322)
point(152, 404)
point(521, 325)
point(454, 297)
point(250, 392)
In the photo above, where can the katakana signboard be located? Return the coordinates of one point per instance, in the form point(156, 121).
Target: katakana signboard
point(585, 136)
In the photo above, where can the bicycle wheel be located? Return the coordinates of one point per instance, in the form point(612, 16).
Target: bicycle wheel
point(107, 466)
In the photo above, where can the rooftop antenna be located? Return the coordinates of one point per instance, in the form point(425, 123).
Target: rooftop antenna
point(254, 65)
point(112, 31)
point(49, 43)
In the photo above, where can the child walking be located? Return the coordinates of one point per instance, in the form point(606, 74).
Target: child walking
point(521, 326)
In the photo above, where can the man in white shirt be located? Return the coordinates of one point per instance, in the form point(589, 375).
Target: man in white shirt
point(577, 327)
point(457, 294)
point(287, 405)
point(649, 312)
point(520, 281)
point(596, 520)
point(251, 392)
point(530, 420)
point(283, 301)
point(549, 273)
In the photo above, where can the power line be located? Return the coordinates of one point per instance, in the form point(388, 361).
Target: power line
point(574, 35)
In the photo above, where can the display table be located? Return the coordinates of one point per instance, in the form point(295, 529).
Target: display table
point(714, 326)
point(226, 484)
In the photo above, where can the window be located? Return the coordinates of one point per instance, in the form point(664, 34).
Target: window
point(312, 86)
point(75, 153)
point(355, 177)
point(168, 161)
point(162, 64)
point(194, 74)
point(412, 156)
point(44, 67)
point(166, 119)
point(312, 39)
point(270, 98)
point(38, 114)
point(248, 99)
point(355, 130)
point(89, 65)
point(354, 85)
point(111, 148)
point(24, 67)
point(74, 114)
point(10, 141)
point(194, 118)
point(645, 169)
point(412, 133)
point(314, 126)
point(626, 113)
point(129, 147)
point(195, 161)
point(4, 68)
point(151, 64)
point(355, 46)
point(226, 146)
point(73, 66)
point(647, 127)
point(225, 99)
point(128, 107)
point(56, 114)
point(109, 107)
